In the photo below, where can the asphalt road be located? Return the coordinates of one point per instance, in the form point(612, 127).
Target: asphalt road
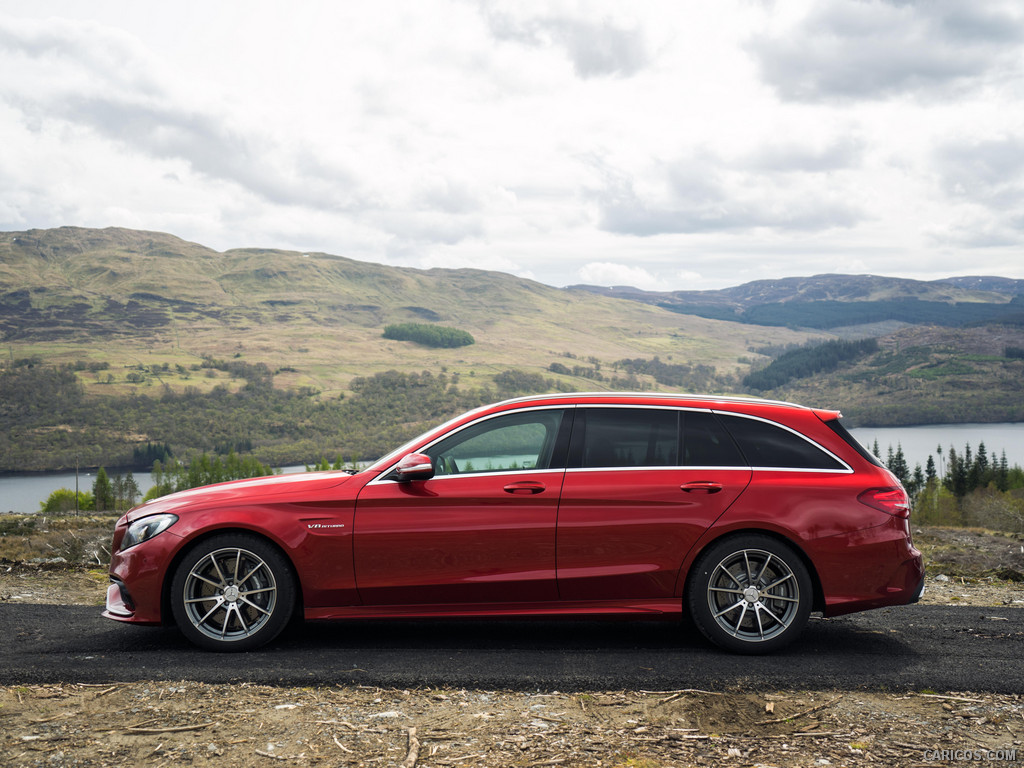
point(914, 647)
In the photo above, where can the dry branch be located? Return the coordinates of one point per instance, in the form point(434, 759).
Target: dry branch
point(414, 749)
point(173, 729)
point(950, 698)
point(799, 714)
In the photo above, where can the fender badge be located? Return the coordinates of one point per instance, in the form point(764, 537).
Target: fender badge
point(319, 526)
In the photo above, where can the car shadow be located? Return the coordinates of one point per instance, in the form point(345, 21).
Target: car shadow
point(822, 636)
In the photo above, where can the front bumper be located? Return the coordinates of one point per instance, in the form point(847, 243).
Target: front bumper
point(120, 605)
point(135, 593)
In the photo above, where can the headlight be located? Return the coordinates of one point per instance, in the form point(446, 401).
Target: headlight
point(146, 528)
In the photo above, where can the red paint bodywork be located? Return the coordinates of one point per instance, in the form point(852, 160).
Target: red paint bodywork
point(541, 542)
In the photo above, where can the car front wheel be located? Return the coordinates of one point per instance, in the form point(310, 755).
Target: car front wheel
point(750, 594)
point(233, 592)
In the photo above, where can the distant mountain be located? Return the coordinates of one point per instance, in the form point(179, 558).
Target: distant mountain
point(838, 301)
point(1002, 285)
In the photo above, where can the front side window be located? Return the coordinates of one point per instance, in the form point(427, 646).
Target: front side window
point(513, 442)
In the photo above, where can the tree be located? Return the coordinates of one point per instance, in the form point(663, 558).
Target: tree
point(124, 491)
point(428, 335)
point(1002, 473)
point(956, 477)
point(972, 469)
point(63, 500)
point(897, 464)
point(929, 468)
point(917, 482)
point(102, 492)
point(131, 490)
point(202, 470)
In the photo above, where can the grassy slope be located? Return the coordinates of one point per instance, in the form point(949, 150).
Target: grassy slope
point(926, 375)
point(320, 314)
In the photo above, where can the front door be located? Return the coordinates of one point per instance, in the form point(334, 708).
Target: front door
point(482, 530)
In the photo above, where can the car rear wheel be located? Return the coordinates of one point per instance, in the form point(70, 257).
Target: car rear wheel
point(233, 592)
point(750, 594)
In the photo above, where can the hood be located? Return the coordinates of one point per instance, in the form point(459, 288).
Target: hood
point(261, 488)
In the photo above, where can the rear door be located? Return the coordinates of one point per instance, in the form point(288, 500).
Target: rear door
point(642, 485)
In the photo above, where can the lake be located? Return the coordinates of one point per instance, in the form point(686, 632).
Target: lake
point(23, 493)
point(920, 442)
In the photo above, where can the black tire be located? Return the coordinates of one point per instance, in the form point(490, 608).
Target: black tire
point(233, 592)
point(750, 593)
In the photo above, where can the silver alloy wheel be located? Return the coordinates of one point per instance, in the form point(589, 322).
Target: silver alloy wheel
point(230, 594)
point(753, 595)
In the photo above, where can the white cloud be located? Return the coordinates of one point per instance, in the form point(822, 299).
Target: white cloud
point(988, 172)
point(705, 193)
point(596, 47)
point(602, 142)
point(854, 49)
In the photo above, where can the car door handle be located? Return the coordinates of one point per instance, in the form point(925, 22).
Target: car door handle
point(702, 486)
point(525, 486)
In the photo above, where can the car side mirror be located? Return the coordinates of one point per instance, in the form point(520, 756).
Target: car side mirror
point(415, 466)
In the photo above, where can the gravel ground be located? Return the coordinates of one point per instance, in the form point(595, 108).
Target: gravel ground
point(223, 726)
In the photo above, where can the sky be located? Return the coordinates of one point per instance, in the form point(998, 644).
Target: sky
point(667, 145)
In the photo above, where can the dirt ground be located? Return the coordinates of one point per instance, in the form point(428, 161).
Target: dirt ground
point(224, 726)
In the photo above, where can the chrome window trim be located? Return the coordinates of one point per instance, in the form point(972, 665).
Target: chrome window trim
point(712, 468)
point(845, 469)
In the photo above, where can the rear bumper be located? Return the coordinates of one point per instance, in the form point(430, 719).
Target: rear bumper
point(919, 593)
point(873, 568)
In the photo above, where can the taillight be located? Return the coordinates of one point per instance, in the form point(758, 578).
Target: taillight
point(893, 500)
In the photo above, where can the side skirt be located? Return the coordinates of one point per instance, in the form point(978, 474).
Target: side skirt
point(668, 609)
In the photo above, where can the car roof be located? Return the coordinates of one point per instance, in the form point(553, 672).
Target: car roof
point(664, 398)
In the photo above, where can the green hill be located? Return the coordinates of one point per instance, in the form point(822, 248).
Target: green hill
point(120, 296)
point(275, 349)
point(119, 344)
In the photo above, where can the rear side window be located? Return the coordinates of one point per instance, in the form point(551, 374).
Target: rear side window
point(768, 445)
point(706, 443)
point(836, 426)
point(627, 437)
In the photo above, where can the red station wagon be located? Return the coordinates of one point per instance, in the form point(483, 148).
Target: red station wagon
point(746, 514)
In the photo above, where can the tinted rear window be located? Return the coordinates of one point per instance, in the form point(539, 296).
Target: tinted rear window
point(836, 426)
point(706, 443)
point(767, 445)
point(629, 437)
